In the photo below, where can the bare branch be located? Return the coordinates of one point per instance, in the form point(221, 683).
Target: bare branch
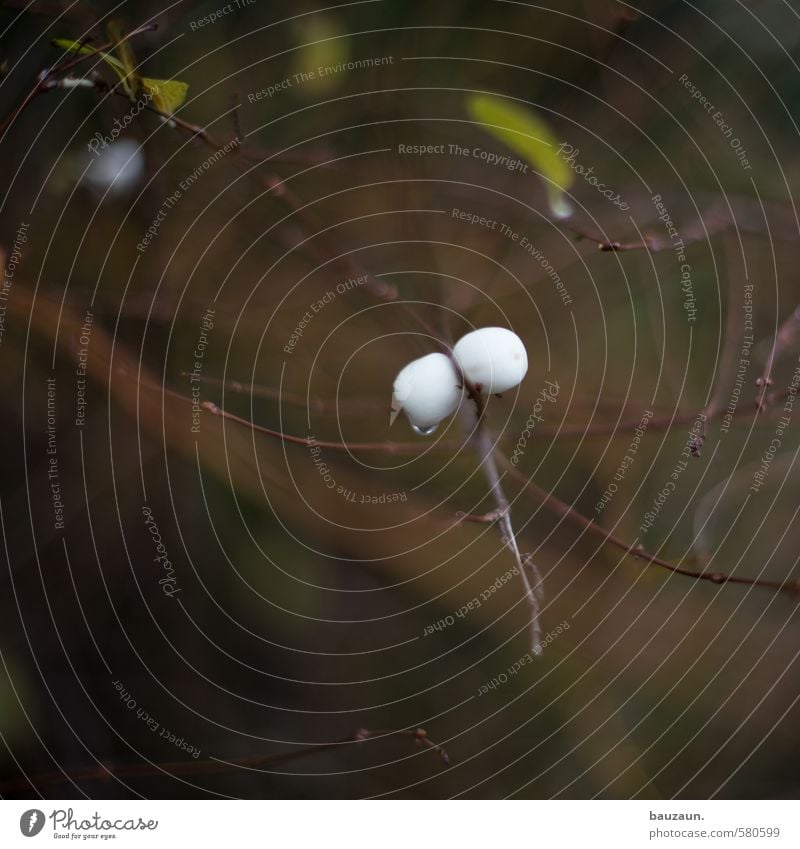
point(49, 77)
point(354, 406)
point(709, 223)
point(784, 338)
point(383, 447)
point(637, 551)
point(657, 423)
point(107, 772)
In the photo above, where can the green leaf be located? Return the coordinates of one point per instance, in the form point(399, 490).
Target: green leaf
point(86, 50)
point(524, 132)
point(167, 95)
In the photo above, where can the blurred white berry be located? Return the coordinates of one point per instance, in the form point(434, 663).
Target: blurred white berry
point(492, 359)
point(117, 168)
point(427, 390)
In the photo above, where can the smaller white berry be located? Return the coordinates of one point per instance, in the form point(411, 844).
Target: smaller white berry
point(427, 390)
point(492, 359)
point(117, 168)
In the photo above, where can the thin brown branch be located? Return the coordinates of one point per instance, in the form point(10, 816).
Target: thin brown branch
point(49, 77)
point(606, 245)
point(657, 423)
point(236, 101)
point(382, 447)
point(107, 772)
point(784, 338)
point(709, 223)
point(638, 551)
point(734, 335)
point(354, 406)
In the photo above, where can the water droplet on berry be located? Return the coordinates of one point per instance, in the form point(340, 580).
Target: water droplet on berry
point(424, 431)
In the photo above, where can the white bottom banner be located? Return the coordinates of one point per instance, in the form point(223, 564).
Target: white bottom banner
point(349, 824)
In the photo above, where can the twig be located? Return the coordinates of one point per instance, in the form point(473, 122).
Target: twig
point(384, 447)
point(637, 551)
point(107, 772)
point(711, 222)
point(46, 79)
point(236, 100)
point(419, 735)
point(657, 423)
point(49, 78)
point(484, 519)
point(352, 406)
point(783, 338)
point(607, 245)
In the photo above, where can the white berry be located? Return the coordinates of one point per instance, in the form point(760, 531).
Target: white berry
point(118, 168)
point(427, 390)
point(491, 359)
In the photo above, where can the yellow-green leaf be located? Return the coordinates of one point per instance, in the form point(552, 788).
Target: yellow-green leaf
point(127, 58)
point(524, 132)
point(86, 50)
point(167, 95)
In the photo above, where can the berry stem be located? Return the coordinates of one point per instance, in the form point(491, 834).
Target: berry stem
point(486, 453)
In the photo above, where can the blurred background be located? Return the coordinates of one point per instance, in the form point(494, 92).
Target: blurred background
point(179, 588)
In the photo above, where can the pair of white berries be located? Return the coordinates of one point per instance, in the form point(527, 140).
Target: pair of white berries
point(429, 389)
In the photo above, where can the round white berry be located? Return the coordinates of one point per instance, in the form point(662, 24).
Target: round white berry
point(117, 168)
point(492, 359)
point(427, 390)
